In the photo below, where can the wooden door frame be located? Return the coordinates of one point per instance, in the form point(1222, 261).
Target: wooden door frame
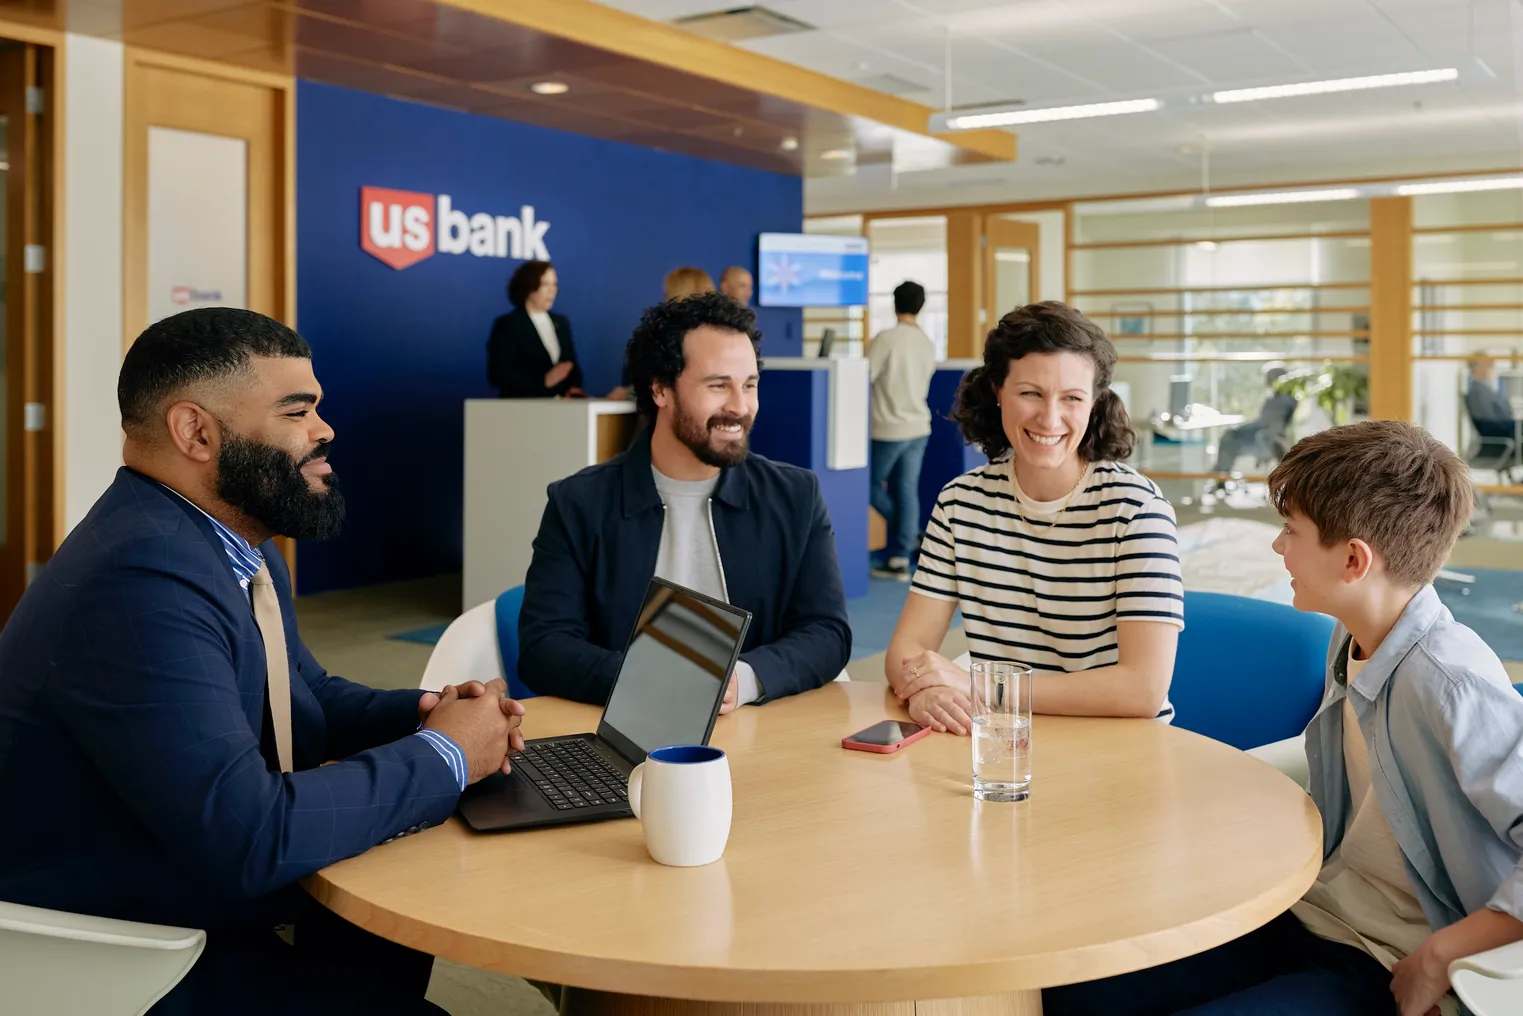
point(136, 122)
point(1003, 233)
point(34, 460)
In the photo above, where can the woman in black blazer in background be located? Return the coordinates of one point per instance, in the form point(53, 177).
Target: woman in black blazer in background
point(530, 355)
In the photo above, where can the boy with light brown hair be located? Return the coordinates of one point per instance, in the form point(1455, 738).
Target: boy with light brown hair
point(1416, 758)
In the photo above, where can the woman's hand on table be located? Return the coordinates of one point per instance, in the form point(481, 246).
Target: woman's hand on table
point(930, 670)
point(943, 709)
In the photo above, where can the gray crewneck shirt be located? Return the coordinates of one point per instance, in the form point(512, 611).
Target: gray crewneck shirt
point(689, 554)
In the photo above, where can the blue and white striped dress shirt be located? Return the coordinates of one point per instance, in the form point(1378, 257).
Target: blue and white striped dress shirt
point(247, 560)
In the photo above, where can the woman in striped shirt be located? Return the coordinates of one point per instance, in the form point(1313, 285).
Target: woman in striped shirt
point(1060, 557)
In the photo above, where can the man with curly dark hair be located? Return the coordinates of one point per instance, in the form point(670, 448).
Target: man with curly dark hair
point(687, 502)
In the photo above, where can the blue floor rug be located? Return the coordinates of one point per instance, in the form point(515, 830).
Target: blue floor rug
point(424, 636)
point(1491, 608)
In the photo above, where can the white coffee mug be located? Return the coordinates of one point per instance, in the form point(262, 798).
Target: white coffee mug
point(681, 795)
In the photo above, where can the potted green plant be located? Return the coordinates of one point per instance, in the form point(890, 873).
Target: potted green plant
point(1337, 388)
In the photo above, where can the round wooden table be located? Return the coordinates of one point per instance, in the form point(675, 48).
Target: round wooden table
point(864, 881)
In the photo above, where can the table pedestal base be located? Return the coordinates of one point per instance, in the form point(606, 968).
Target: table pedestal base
point(581, 1002)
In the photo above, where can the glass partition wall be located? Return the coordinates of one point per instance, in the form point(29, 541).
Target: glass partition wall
point(1209, 305)
point(913, 249)
point(1467, 329)
point(1218, 311)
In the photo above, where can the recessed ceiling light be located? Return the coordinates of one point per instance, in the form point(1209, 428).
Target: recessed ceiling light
point(836, 154)
point(1460, 186)
point(1004, 118)
point(1282, 197)
point(789, 144)
point(1335, 85)
point(549, 88)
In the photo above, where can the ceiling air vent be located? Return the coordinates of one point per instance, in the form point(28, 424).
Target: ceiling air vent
point(738, 24)
point(892, 84)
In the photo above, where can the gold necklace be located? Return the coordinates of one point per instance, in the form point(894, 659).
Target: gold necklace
point(1015, 491)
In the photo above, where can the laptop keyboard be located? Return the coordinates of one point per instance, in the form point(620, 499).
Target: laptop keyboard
point(572, 774)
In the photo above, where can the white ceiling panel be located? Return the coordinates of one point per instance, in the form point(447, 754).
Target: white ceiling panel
point(1057, 52)
point(1018, 77)
point(1336, 41)
point(1231, 56)
point(839, 57)
point(1119, 66)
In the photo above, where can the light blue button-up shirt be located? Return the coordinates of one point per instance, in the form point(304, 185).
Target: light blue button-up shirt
point(1444, 728)
point(247, 560)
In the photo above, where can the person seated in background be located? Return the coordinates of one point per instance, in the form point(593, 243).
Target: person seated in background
point(163, 730)
point(687, 281)
point(901, 362)
point(1414, 758)
point(690, 503)
point(737, 284)
point(1061, 557)
point(530, 354)
point(1260, 435)
point(1487, 407)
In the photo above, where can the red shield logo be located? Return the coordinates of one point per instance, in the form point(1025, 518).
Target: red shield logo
point(396, 227)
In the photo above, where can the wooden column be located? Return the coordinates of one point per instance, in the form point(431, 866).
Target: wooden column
point(1391, 308)
point(965, 336)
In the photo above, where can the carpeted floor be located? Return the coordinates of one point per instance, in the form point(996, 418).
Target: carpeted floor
point(1492, 607)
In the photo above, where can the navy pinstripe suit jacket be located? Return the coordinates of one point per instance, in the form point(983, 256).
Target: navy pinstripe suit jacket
point(137, 773)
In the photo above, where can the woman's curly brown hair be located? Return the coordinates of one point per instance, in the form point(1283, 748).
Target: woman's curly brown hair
point(1049, 327)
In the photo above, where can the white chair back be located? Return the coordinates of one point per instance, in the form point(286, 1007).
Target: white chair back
point(467, 651)
point(1490, 983)
point(58, 964)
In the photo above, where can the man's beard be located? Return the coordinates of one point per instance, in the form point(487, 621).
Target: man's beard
point(696, 435)
point(266, 484)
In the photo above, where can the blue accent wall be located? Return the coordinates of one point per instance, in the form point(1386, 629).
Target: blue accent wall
point(793, 426)
point(398, 351)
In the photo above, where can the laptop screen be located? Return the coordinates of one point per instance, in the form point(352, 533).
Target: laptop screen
point(679, 658)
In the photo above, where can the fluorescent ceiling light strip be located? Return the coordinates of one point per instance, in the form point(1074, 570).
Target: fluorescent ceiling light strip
point(975, 120)
point(1459, 186)
point(1336, 85)
point(1281, 197)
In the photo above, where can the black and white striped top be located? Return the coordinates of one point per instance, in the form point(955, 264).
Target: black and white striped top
point(1045, 597)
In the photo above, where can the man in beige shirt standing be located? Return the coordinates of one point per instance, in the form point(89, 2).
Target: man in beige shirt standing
point(901, 360)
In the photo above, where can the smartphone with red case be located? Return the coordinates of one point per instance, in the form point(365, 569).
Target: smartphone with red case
point(890, 735)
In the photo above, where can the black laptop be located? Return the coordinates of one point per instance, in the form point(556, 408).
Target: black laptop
point(669, 689)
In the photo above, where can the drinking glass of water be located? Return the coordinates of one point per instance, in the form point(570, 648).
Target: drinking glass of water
point(1001, 731)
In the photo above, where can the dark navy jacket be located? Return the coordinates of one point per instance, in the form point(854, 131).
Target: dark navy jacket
point(596, 552)
point(136, 763)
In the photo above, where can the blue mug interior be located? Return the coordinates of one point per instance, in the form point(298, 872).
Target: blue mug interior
point(686, 754)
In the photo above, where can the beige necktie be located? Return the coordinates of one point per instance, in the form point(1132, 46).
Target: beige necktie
point(278, 687)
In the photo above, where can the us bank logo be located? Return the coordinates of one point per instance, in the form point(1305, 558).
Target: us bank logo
point(400, 228)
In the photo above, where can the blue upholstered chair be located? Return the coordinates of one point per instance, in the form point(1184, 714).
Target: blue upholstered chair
point(1248, 672)
point(508, 606)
